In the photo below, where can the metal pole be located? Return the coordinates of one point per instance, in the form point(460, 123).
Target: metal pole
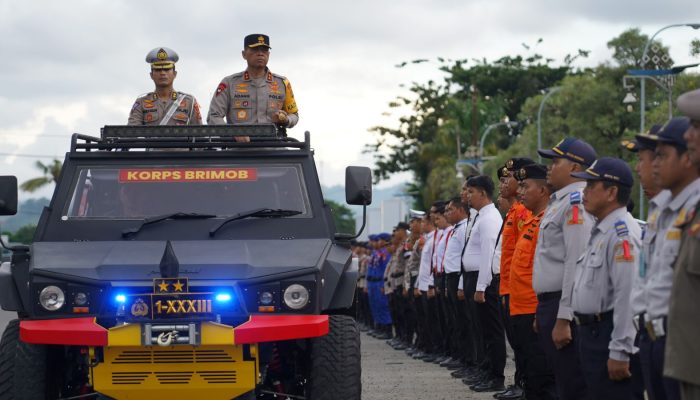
point(539, 118)
point(642, 97)
point(483, 139)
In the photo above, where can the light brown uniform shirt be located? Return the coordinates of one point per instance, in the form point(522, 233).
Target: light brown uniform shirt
point(149, 109)
point(240, 99)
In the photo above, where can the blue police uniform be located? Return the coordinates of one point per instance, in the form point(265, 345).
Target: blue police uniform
point(379, 303)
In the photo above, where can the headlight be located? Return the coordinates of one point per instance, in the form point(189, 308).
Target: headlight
point(80, 299)
point(296, 296)
point(52, 298)
point(266, 298)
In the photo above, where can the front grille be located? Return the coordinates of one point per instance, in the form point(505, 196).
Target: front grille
point(218, 376)
point(172, 357)
point(174, 378)
point(129, 378)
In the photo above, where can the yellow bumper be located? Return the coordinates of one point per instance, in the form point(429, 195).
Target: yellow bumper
point(216, 369)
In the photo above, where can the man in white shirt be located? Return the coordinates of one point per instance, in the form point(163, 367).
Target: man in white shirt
point(478, 256)
point(425, 286)
point(457, 214)
point(444, 233)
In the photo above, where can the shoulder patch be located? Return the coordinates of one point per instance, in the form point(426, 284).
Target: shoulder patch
point(621, 228)
point(222, 86)
point(575, 198)
point(694, 229)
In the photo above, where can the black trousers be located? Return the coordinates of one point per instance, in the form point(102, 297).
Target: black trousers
point(539, 378)
point(397, 310)
point(565, 362)
point(433, 332)
point(651, 357)
point(505, 314)
point(473, 334)
point(442, 314)
point(492, 329)
point(593, 341)
point(409, 315)
point(456, 309)
point(423, 336)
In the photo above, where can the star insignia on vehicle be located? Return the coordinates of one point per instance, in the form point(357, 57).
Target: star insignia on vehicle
point(177, 286)
point(163, 286)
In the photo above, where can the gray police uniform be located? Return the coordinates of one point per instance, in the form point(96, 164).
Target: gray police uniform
point(149, 109)
point(240, 99)
point(600, 300)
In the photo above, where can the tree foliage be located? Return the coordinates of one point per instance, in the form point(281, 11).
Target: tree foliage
point(342, 216)
point(50, 173)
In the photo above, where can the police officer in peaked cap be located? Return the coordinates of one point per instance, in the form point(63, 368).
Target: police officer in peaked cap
point(603, 281)
point(255, 95)
point(164, 106)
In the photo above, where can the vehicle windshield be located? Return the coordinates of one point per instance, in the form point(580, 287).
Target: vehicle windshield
point(137, 192)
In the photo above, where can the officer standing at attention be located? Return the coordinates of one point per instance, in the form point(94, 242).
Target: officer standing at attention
point(603, 281)
point(682, 344)
point(645, 156)
point(164, 106)
point(255, 95)
point(537, 372)
point(674, 171)
point(564, 231)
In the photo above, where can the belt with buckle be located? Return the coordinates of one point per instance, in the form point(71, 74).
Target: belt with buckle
point(549, 296)
point(587, 319)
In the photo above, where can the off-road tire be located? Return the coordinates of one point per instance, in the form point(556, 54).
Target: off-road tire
point(22, 367)
point(336, 368)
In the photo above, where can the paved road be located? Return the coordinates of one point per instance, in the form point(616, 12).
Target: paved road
point(388, 374)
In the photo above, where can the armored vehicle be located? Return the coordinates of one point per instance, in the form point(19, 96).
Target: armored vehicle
point(175, 262)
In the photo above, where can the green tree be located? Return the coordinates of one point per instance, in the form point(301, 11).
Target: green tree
point(50, 175)
point(628, 48)
point(24, 235)
point(342, 216)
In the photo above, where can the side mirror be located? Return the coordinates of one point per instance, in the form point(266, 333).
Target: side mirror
point(358, 186)
point(8, 195)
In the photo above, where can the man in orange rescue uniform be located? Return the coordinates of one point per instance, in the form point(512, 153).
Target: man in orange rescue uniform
point(538, 376)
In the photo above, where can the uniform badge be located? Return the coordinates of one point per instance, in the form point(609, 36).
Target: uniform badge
point(149, 117)
point(136, 105)
point(694, 229)
point(246, 76)
point(275, 88)
point(626, 254)
point(181, 117)
point(673, 234)
point(148, 104)
point(183, 103)
point(241, 115)
point(162, 55)
point(139, 308)
point(575, 218)
point(220, 88)
point(521, 223)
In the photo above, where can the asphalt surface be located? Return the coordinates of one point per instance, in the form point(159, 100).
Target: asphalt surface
point(388, 374)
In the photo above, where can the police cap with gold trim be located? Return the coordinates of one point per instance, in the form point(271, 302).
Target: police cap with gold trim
point(637, 145)
point(572, 149)
point(162, 58)
point(256, 40)
point(609, 169)
point(531, 171)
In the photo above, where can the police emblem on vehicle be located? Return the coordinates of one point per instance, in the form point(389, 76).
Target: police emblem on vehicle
point(139, 308)
point(171, 298)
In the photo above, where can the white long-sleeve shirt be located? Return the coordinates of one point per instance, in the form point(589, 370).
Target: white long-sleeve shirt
point(482, 241)
point(425, 277)
point(439, 253)
point(452, 261)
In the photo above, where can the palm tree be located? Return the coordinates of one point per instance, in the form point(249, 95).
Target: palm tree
point(51, 172)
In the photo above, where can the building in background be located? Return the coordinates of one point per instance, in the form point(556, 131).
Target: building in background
point(383, 217)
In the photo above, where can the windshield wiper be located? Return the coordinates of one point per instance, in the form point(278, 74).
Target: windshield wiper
point(158, 218)
point(258, 212)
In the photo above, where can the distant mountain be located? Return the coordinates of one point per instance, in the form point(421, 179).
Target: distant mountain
point(28, 213)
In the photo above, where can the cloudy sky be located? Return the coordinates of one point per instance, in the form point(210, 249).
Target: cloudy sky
point(73, 66)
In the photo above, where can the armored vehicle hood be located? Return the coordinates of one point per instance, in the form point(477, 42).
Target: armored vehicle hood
point(200, 260)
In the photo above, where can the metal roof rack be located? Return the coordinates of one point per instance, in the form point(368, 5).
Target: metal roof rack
point(212, 137)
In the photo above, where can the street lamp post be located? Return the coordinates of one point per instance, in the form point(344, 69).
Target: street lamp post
point(642, 91)
point(550, 92)
point(511, 124)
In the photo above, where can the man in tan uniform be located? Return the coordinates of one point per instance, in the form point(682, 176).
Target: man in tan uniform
point(164, 106)
point(255, 95)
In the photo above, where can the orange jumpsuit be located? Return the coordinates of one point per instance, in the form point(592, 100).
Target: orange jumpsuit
point(523, 299)
point(514, 223)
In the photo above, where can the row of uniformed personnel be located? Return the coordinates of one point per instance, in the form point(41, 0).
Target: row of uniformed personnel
point(594, 305)
point(255, 95)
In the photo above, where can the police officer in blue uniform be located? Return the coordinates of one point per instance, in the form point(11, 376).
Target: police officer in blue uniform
point(603, 281)
point(379, 302)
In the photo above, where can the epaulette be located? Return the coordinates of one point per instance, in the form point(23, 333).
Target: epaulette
point(621, 228)
point(575, 198)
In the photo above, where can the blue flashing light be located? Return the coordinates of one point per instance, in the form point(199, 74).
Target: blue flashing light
point(120, 298)
point(223, 297)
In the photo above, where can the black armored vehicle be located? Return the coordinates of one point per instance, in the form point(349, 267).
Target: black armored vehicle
point(174, 262)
